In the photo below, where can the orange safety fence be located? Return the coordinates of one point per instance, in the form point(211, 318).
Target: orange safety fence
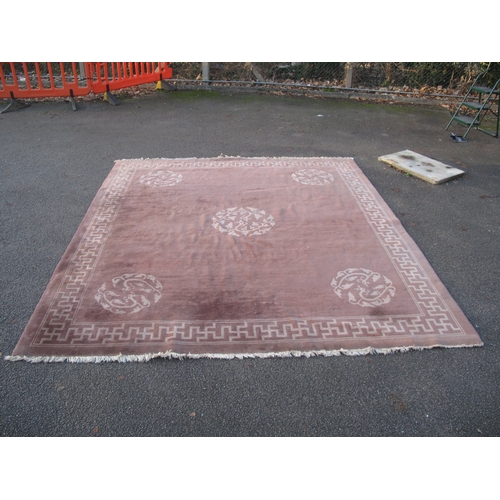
point(112, 76)
point(32, 80)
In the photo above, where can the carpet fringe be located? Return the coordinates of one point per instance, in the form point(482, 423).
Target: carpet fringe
point(141, 358)
point(247, 158)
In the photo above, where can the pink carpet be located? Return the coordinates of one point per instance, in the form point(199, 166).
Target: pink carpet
point(234, 257)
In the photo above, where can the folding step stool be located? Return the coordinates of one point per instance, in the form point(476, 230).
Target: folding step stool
point(482, 100)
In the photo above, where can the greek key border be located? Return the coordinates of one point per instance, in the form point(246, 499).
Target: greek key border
point(58, 327)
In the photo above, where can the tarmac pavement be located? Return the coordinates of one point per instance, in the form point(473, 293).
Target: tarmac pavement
point(53, 161)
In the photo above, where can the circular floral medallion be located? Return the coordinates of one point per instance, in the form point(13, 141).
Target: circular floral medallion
point(246, 221)
point(363, 287)
point(129, 293)
point(312, 177)
point(160, 178)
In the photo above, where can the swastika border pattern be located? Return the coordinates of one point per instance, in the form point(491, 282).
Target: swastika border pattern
point(58, 326)
point(430, 303)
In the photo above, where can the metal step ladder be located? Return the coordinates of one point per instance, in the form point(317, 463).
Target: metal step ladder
point(482, 100)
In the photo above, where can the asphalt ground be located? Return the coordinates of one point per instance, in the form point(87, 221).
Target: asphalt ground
point(53, 161)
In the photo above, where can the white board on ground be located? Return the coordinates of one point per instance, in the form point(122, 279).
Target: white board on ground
point(421, 166)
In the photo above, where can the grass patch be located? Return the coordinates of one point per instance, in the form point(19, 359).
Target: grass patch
point(193, 95)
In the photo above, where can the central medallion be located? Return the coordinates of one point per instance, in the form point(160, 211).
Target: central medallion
point(243, 221)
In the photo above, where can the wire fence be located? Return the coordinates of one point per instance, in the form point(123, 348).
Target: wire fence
point(419, 79)
point(430, 78)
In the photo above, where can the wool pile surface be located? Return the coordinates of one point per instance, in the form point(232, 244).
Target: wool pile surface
point(235, 257)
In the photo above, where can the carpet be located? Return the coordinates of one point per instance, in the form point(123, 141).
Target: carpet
point(235, 257)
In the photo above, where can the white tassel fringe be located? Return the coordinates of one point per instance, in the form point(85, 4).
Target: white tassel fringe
point(172, 355)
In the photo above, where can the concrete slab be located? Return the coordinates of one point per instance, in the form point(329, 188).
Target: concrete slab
point(421, 166)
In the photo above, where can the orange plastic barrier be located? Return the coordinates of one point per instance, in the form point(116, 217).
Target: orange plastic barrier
point(32, 80)
point(105, 77)
point(23, 80)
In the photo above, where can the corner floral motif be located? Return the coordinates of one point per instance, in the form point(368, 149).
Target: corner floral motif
point(160, 178)
point(363, 287)
point(130, 293)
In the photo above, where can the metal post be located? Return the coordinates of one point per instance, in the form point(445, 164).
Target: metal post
point(205, 71)
point(82, 70)
point(348, 75)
